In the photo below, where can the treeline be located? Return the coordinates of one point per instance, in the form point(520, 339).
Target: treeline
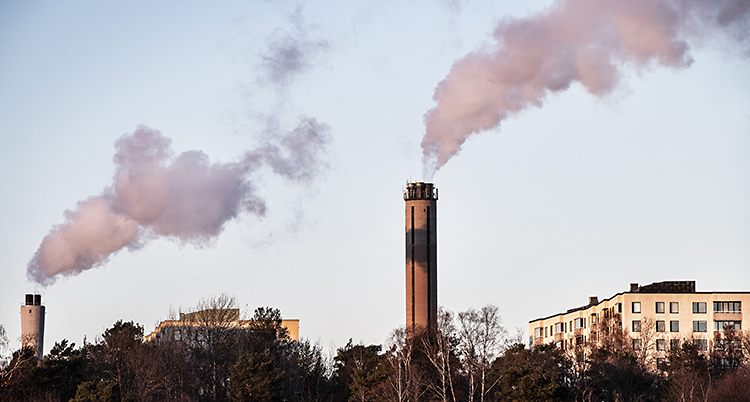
point(471, 357)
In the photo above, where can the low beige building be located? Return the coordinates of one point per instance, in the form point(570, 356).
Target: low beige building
point(658, 316)
point(175, 329)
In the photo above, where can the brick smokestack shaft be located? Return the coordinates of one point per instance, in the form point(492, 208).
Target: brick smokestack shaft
point(421, 256)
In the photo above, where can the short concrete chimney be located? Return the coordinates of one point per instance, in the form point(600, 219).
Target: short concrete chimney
point(633, 287)
point(593, 300)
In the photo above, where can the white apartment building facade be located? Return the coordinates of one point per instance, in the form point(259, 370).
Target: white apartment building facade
point(659, 316)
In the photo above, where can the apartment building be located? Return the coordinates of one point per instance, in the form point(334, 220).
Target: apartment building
point(193, 323)
point(668, 311)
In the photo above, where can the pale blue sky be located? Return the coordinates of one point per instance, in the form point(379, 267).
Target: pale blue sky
point(574, 199)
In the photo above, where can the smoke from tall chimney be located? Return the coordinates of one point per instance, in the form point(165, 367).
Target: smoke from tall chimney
point(586, 41)
point(185, 198)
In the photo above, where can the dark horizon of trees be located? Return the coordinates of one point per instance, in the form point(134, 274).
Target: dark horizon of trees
point(471, 357)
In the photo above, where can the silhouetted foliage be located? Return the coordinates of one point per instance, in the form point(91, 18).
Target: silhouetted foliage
point(61, 371)
point(530, 375)
point(687, 374)
point(359, 373)
point(255, 379)
point(16, 382)
point(307, 372)
point(733, 386)
point(97, 391)
point(212, 355)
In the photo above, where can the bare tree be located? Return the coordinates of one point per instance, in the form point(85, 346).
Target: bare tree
point(403, 376)
point(482, 337)
point(437, 348)
point(4, 348)
point(210, 334)
point(399, 358)
point(727, 351)
point(687, 373)
point(18, 370)
point(645, 353)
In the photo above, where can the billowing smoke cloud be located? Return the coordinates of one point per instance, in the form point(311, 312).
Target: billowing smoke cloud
point(184, 198)
point(586, 41)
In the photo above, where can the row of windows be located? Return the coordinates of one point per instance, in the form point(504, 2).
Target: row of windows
point(727, 307)
point(561, 327)
point(731, 325)
point(698, 307)
point(661, 344)
point(660, 307)
point(661, 326)
point(698, 326)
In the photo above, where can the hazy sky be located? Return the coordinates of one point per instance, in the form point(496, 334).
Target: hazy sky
point(573, 196)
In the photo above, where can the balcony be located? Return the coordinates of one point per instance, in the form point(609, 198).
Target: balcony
point(727, 316)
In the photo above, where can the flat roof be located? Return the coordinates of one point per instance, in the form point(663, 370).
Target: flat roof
point(573, 310)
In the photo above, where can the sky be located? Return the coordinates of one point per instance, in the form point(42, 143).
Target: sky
point(578, 189)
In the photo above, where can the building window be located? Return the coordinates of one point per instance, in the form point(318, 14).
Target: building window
point(559, 328)
point(636, 307)
point(661, 326)
point(701, 344)
point(579, 323)
point(699, 326)
point(674, 344)
point(619, 308)
point(636, 326)
point(538, 332)
point(674, 326)
point(727, 307)
point(637, 344)
point(674, 307)
point(659, 307)
point(730, 325)
point(545, 332)
point(661, 344)
point(699, 307)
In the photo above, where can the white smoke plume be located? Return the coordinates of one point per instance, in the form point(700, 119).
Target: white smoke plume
point(291, 53)
point(184, 198)
point(590, 42)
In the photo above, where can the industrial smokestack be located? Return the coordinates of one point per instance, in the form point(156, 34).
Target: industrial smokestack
point(32, 324)
point(590, 42)
point(421, 256)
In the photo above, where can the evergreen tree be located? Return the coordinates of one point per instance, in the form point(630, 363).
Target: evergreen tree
point(255, 379)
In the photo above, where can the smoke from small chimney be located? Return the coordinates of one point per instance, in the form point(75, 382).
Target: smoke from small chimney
point(586, 41)
point(185, 197)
